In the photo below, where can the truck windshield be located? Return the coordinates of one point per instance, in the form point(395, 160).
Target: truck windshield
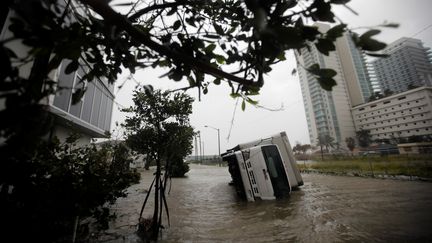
point(272, 168)
point(276, 171)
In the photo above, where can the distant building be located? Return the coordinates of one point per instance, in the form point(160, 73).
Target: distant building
point(90, 117)
point(409, 65)
point(398, 116)
point(329, 113)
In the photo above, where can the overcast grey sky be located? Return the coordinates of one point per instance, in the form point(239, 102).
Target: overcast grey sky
point(281, 89)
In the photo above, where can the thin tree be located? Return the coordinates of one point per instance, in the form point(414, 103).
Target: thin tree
point(364, 138)
point(350, 142)
point(159, 127)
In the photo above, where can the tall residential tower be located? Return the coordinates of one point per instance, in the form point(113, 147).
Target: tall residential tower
point(329, 113)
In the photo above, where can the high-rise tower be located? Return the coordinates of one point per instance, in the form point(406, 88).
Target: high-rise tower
point(408, 65)
point(329, 113)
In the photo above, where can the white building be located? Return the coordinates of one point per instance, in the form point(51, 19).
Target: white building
point(329, 113)
point(400, 116)
point(90, 117)
point(409, 63)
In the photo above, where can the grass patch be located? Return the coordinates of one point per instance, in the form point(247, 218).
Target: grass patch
point(419, 166)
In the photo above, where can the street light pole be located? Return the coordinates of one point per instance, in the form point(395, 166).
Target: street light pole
point(200, 150)
point(218, 132)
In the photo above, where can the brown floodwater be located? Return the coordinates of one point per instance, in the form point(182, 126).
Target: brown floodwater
point(204, 208)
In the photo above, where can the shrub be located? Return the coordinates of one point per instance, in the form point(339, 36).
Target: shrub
point(178, 168)
point(61, 184)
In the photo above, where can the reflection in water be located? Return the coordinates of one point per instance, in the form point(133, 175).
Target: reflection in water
point(204, 208)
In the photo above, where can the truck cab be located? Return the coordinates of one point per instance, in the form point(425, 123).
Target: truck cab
point(258, 172)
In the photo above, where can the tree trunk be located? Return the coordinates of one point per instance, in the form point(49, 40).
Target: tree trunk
point(155, 222)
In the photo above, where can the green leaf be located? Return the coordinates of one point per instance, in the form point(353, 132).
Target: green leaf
point(77, 95)
point(71, 67)
point(217, 81)
point(368, 34)
point(381, 55)
point(336, 31)
point(325, 46)
point(314, 69)
point(281, 56)
point(390, 25)
point(366, 43)
point(210, 48)
point(326, 83)
point(235, 95)
point(176, 25)
point(191, 21)
point(192, 82)
point(175, 74)
point(243, 105)
point(340, 1)
point(251, 101)
point(220, 59)
point(218, 29)
point(371, 45)
point(322, 11)
point(321, 72)
point(252, 92)
point(294, 71)
point(310, 32)
point(327, 73)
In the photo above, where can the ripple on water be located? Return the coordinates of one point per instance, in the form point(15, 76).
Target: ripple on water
point(326, 209)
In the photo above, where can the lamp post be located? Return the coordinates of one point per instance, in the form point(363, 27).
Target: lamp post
point(200, 150)
point(218, 132)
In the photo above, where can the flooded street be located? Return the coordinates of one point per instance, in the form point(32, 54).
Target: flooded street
point(204, 208)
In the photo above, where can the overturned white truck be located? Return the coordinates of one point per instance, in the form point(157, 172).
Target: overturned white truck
point(263, 169)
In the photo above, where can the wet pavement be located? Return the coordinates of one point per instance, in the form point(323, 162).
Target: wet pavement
point(204, 208)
